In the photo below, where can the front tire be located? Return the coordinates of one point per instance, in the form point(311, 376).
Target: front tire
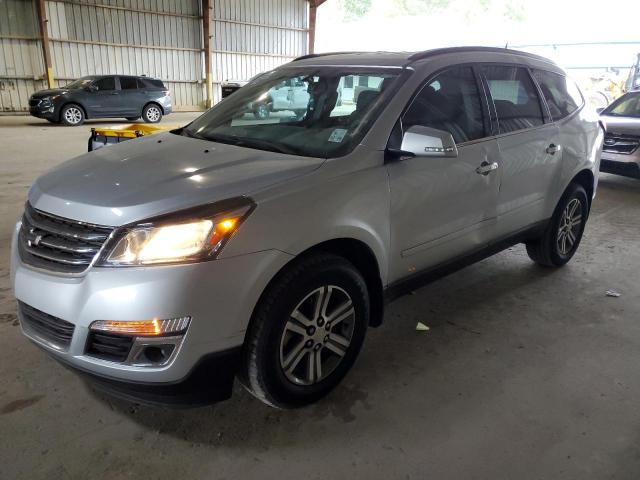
point(72, 115)
point(562, 236)
point(306, 332)
point(152, 113)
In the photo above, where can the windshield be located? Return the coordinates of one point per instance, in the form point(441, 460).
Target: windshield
point(313, 111)
point(626, 106)
point(80, 83)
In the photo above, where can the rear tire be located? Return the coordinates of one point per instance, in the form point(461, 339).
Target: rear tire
point(72, 115)
point(315, 313)
point(562, 236)
point(152, 113)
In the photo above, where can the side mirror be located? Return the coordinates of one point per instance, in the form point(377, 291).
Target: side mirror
point(419, 141)
point(91, 88)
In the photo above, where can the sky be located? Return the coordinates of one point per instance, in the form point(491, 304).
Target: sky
point(518, 23)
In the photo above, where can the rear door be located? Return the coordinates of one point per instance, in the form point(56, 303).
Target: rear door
point(442, 208)
point(530, 150)
point(133, 98)
point(105, 100)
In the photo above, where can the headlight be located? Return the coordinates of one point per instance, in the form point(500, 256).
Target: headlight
point(49, 98)
point(187, 236)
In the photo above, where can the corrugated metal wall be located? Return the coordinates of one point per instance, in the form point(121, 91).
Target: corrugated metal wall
point(252, 36)
point(159, 38)
point(21, 63)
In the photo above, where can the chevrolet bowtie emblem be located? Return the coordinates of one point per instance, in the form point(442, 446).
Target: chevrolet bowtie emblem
point(36, 241)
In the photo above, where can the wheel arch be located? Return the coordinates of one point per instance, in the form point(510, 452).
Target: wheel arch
point(71, 102)
point(356, 252)
point(152, 102)
point(586, 179)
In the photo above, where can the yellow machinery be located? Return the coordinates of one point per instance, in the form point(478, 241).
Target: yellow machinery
point(105, 136)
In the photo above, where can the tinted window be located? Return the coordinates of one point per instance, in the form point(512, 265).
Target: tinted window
point(562, 95)
point(626, 106)
point(150, 83)
point(450, 102)
point(515, 97)
point(128, 83)
point(106, 83)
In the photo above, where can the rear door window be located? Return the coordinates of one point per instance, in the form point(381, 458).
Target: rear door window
point(562, 95)
point(450, 102)
point(128, 83)
point(106, 83)
point(514, 96)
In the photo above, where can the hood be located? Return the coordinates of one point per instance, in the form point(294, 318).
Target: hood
point(621, 125)
point(158, 174)
point(46, 93)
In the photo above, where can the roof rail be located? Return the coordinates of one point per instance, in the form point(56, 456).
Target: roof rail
point(439, 51)
point(314, 55)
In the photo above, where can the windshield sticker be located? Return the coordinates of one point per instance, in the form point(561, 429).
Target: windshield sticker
point(337, 135)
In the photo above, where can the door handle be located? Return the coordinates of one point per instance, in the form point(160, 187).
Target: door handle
point(553, 149)
point(486, 168)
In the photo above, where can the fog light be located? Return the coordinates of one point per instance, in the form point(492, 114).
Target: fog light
point(143, 328)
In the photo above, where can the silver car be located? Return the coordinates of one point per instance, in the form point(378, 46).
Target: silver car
point(621, 152)
point(165, 267)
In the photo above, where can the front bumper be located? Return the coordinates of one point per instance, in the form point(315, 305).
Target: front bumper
point(619, 164)
point(43, 112)
point(218, 295)
point(209, 381)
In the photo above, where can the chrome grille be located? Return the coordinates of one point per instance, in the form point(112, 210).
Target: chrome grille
point(59, 244)
point(616, 143)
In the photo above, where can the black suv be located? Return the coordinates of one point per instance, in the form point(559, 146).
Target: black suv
point(99, 96)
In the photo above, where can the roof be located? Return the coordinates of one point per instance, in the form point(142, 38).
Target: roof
point(403, 59)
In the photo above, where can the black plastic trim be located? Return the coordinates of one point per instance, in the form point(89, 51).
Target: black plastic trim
point(625, 169)
point(209, 381)
point(419, 279)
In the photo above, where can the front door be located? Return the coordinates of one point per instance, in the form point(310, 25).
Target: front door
point(104, 100)
point(442, 208)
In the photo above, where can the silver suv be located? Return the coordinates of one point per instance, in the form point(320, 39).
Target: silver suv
point(262, 249)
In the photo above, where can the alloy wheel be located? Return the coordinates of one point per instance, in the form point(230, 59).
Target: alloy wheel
point(569, 229)
point(317, 335)
point(153, 114)
point(73, 115)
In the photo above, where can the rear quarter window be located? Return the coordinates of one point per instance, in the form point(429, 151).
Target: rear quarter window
point(150, 83)
point(562, 94)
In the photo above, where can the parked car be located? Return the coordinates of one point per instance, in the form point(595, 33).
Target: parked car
point(231, 86)
point(620, 153)
point(237, 248)
point(103, 96)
